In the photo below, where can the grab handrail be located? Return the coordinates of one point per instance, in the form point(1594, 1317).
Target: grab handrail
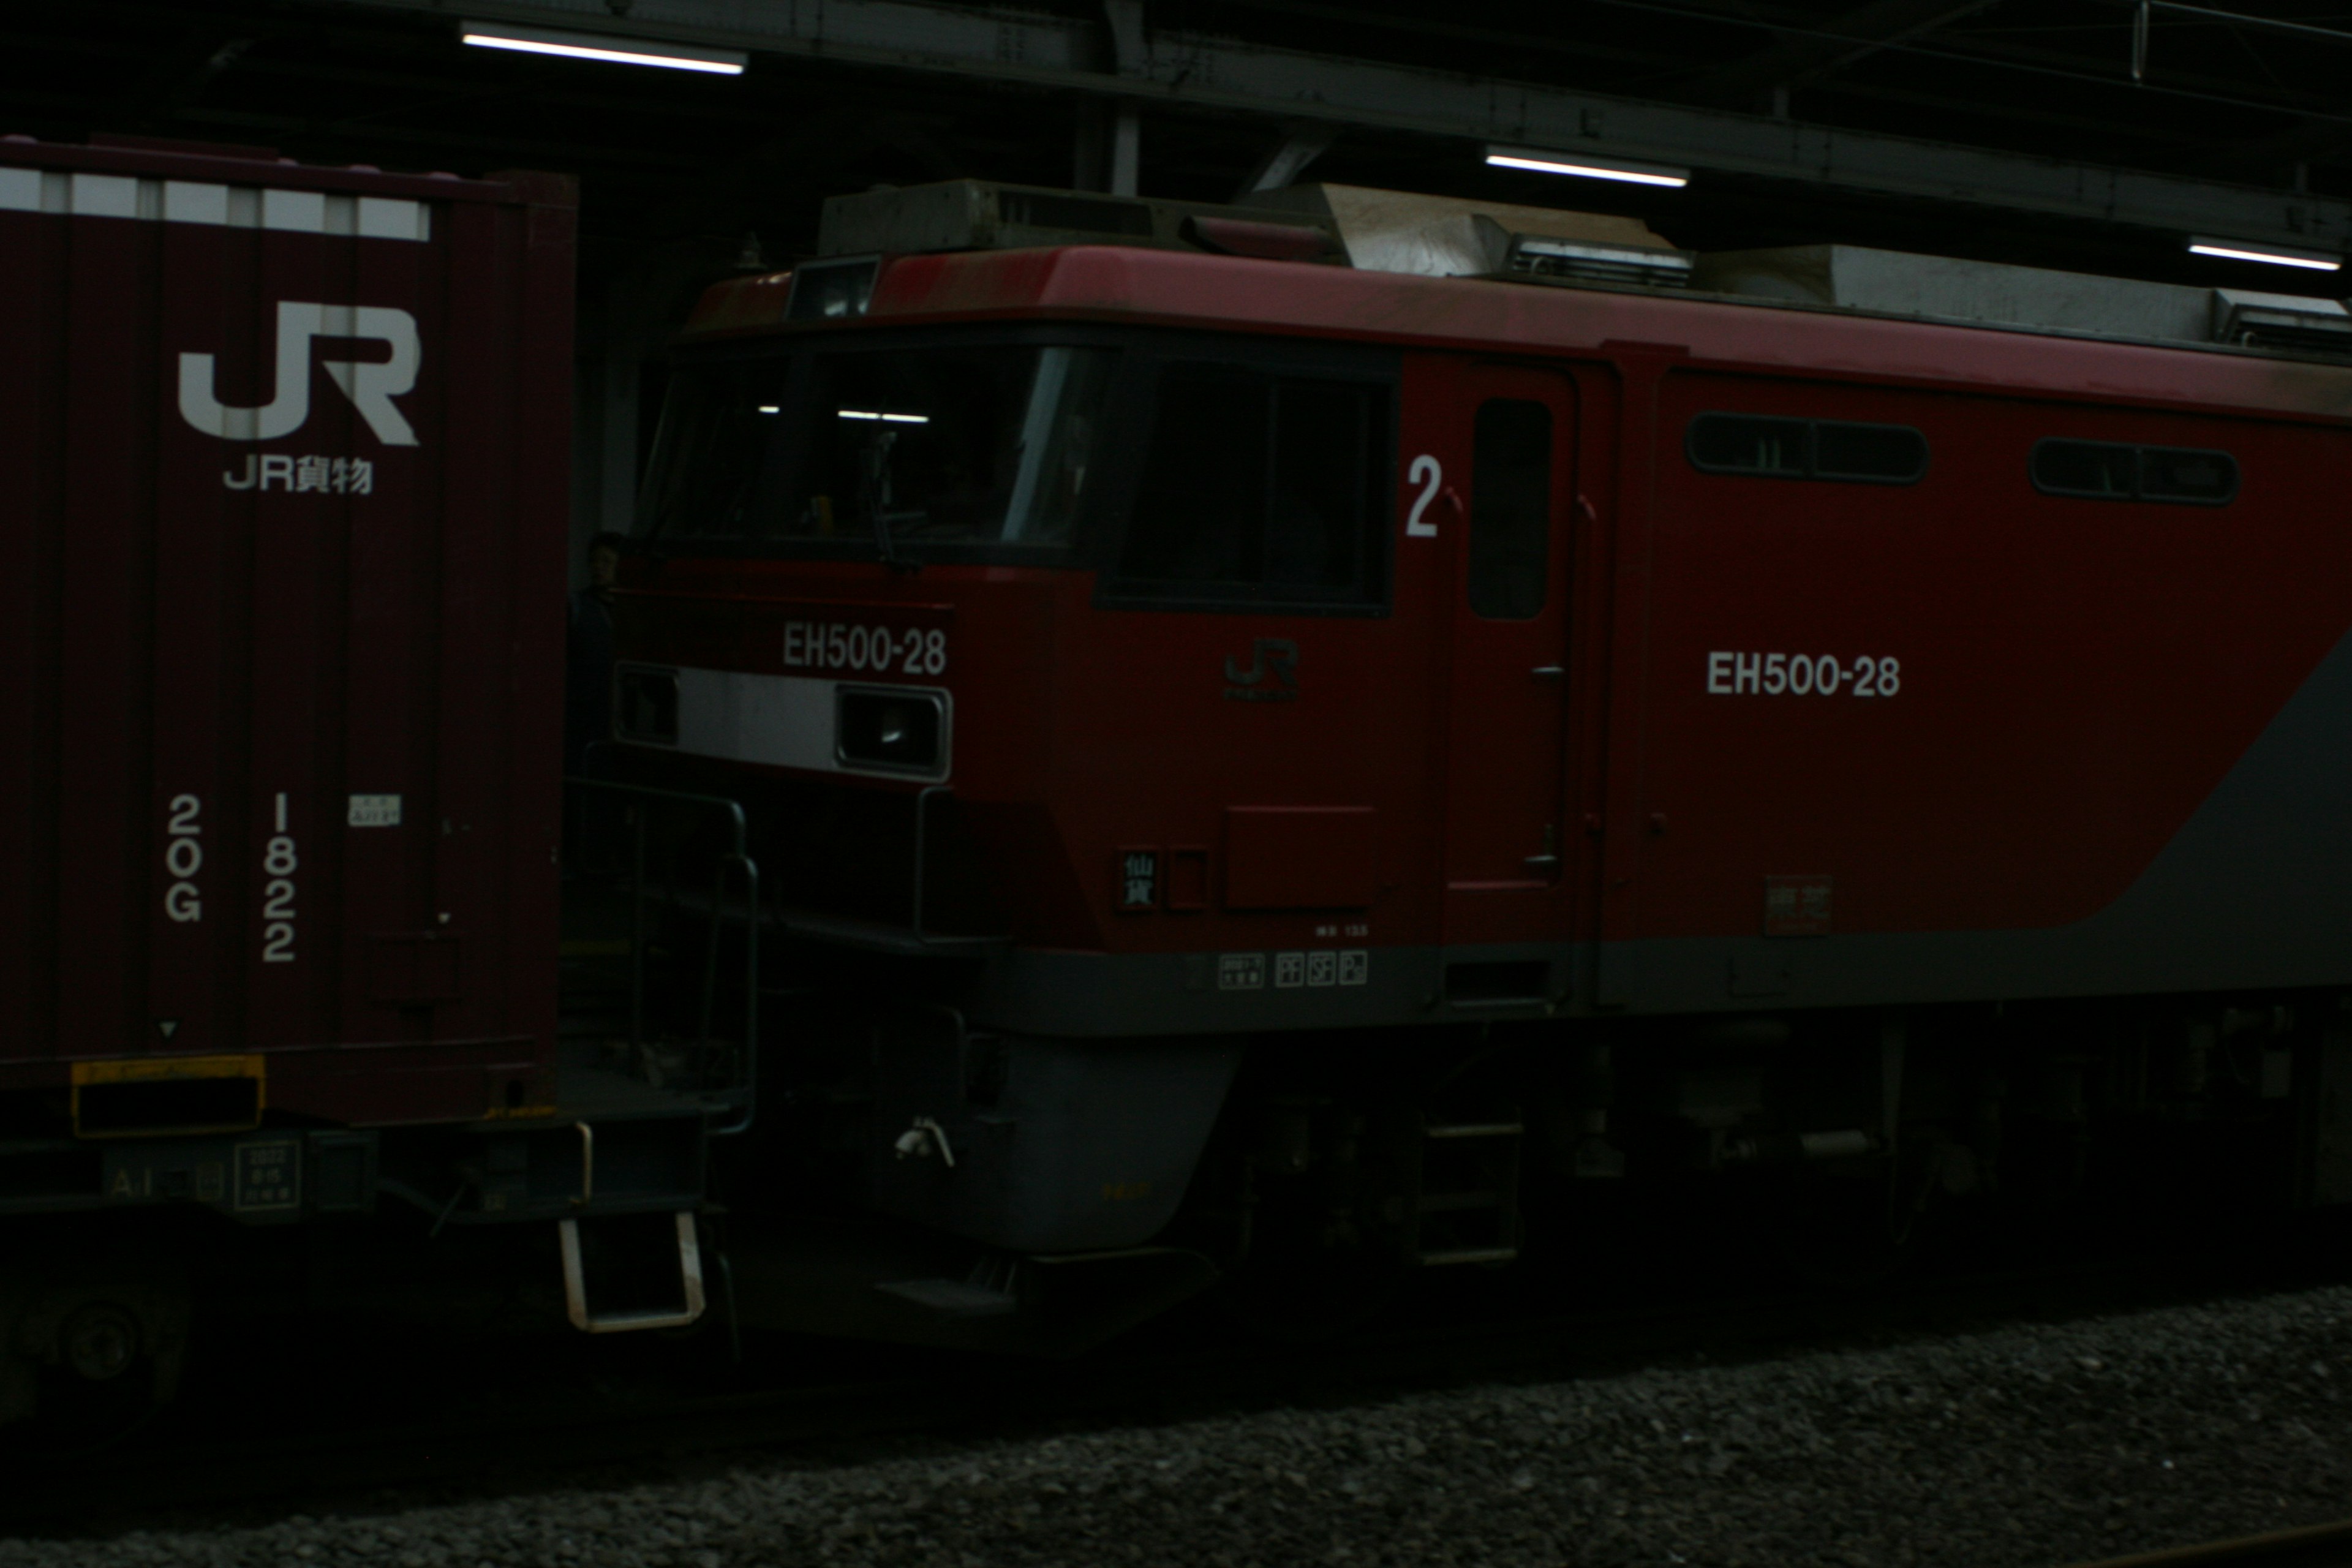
point(737, 859)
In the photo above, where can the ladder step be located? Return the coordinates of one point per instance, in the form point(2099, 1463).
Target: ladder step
point(951, 1297)
point(1470, 1254)
point(1476, 1130)
point(1440, 1202)
point(575, 1282)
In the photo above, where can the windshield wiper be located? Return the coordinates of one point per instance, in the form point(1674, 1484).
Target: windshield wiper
point(876, 477)
point(878, 497)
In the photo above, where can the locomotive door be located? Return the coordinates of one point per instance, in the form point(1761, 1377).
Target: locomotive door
point(1513, 440)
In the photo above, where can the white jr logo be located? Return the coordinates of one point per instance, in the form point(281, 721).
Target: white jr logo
point(371, 387)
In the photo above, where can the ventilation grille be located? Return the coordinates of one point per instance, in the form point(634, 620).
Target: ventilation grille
point(1533, 256)
point(2285, 321)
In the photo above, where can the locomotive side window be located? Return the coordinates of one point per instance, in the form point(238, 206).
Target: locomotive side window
point(2084, 468)
point(1873, 454)
point(1807, 449)
point(1510, 509)
point(2182, 474)
point(2108, 470)
point(1258, 488)
point(1736, 444)
point(1200, 517)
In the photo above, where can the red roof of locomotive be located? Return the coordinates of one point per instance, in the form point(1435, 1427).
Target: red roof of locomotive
point(1181, 288)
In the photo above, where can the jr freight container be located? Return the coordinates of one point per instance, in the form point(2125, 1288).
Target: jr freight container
point(284, 466)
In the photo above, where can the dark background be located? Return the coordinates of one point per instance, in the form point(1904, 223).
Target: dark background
point(684, 177)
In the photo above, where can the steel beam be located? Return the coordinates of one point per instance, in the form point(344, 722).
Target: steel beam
point(1196, 72)
point(1287, 159)
point(1838, 43)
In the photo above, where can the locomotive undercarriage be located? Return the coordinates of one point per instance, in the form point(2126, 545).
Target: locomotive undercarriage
point(1824, 1146)
point(926, 1177)
point(1834, 1143)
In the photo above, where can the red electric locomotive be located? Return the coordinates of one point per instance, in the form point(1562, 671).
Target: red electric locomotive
point(1321, 720)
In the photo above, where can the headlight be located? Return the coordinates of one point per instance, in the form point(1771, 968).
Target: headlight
point(890, 728)
point(644, 705)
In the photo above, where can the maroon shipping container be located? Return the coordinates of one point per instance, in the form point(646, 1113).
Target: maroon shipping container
point(284, 462)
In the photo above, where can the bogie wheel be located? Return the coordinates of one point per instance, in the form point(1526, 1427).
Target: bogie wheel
point(103, 1386)
point(102, 1362)
point(1328, 1199)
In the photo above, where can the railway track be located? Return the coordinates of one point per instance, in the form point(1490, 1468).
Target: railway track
point(2313, 1546)
point(447, 1442)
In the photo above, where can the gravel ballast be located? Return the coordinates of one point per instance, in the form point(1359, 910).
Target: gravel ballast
point(2023, 1444)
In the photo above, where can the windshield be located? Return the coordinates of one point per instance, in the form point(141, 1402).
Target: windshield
point(982, 446)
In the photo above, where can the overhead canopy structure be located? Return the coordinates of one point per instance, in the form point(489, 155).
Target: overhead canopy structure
point(1119, 59)
point(2102, 137)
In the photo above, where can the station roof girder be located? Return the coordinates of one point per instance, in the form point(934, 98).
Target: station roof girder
point(1197, 72)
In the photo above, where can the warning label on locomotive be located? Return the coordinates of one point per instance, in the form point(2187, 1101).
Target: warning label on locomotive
point(1797, 906)
point(1802, 675)
point(1310, 969)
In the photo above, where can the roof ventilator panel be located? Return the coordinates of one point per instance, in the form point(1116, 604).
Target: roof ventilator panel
point(2033, 299)
point(2291, 322)
point(1374, 231)
point(1534, 255)
point(980, 214)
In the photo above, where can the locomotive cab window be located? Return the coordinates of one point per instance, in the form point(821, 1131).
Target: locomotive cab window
point(2110, 470)
point(898, 451)
point(1258, 488)
point(1836, 449)
point(955, 445)
point(1510, 509)
point(715, 463)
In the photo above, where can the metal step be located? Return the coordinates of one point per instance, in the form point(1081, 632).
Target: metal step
point(951, 1297)
point(1469, 1255)
point(575, 1283)
point(1465, 1204)
point(1442, 1202)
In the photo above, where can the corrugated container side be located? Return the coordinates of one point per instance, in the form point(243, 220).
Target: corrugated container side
point(284, 456)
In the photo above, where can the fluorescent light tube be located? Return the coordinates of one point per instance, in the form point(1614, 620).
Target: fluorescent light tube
point(2244, 251)
point(603, 47)
point(1582, 167)
point(884, 418)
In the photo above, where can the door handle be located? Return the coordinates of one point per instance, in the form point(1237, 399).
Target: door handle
point(1548, 672)
point(1542, 861)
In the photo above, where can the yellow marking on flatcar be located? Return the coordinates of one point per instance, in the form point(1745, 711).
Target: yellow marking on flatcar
point(126, 1071)
point(135, 1069)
